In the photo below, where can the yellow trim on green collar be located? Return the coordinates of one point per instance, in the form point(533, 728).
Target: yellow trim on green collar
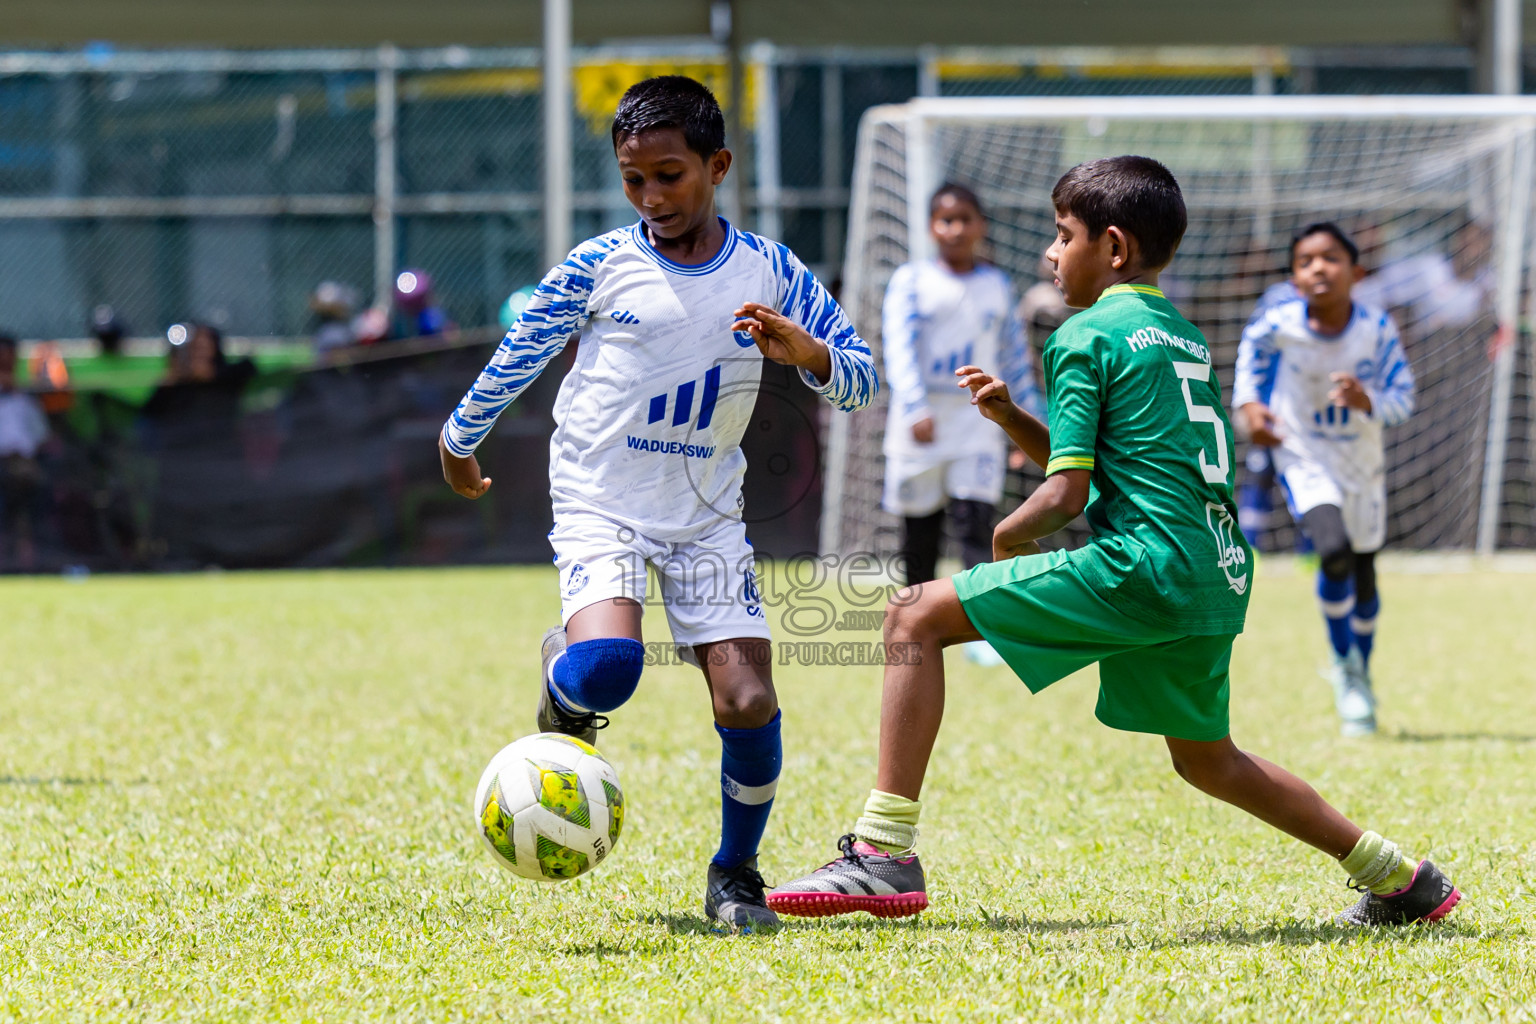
point(1140, 289)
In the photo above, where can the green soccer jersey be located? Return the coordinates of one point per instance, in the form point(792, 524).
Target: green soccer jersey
point(1133, 397)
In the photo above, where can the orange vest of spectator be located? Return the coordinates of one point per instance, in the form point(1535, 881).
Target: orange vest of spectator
point(50, 378)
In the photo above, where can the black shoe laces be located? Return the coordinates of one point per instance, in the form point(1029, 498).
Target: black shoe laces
point(845, 844)
point(572, 723)
point(743, 885)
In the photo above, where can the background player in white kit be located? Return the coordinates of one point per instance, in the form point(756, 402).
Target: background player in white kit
point(1318, 378)
point(939, 315)
point(674, 316)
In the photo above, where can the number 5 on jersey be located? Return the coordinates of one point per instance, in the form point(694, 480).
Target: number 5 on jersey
point(1198, 413)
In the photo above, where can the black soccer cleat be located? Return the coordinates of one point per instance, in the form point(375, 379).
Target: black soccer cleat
point(1428, 898)
point(554, 718)
point(734, 897)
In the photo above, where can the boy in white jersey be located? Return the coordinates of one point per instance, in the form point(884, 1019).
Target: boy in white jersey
point(1319, 375)
point(674, 316)
point(939, 315)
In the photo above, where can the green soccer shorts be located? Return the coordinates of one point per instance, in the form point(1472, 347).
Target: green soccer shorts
point(1045, 620)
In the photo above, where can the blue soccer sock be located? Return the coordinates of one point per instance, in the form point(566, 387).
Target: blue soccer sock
point(1337, 600)
point(749, 775)
point(596, 675)
point(1363, 625)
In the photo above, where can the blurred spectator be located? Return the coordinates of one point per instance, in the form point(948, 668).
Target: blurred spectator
point(108, 330)
point(1437, 289)
point(23, 429)
point(417, 316)
point(371, 325)
point(200, 381)
point(193, 421)
point(50, 379)
point(333, 305)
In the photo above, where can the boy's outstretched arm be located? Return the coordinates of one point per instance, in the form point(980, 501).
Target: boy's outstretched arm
point(993, 400)
point(553, 315)
point(1054, 504)
point(806, 328)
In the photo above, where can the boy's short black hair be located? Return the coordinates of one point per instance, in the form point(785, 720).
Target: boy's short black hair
point(1136, 194)
point(672, 101)
point(7, 343)
point(959, 192)
point(1326, 227)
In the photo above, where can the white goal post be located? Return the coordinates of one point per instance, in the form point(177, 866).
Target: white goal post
point(1437, 190)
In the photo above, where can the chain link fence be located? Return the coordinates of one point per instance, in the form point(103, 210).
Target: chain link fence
point(225, 187)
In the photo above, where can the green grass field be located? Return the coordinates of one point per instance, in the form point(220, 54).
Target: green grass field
point(247, 797)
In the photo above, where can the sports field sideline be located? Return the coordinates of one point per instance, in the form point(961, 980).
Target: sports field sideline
point(247, 797)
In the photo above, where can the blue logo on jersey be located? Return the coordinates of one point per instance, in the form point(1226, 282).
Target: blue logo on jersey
point(956, 360)
point(577, 580)
point(743, 339)
point(624, 316)
point(683, 408)
point(1364, 370)
point(1333, 416)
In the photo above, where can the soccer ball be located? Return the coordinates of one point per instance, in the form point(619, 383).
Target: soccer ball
point(549, 807)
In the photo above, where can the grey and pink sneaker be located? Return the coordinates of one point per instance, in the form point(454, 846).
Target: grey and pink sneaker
point(1429, 897)
point(863, 878)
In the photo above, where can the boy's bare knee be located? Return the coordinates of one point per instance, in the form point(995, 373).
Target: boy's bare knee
point(1180, 766)
point(900, 616)
point(1212, 771)
point(909, 618)
point(745, 707)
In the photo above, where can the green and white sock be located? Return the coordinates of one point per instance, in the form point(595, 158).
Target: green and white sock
point(1379, 865)
point(889, 822)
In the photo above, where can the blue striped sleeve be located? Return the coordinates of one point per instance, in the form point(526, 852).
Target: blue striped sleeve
point(1391, 386)
point(1258, 360)
point(898, 344)
point(1016, 366)
point(802, 298)
point(554, 314)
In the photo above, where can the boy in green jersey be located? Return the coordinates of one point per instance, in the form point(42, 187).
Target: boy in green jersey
point(1139, 439)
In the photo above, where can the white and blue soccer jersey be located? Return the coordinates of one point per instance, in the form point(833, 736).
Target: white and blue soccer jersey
point(934, 322)
point(1330, 454)
point(649, 420)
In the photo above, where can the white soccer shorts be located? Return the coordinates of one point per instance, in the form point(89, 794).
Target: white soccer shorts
point(920, 487)
point(1308, 485)
point(707, 585)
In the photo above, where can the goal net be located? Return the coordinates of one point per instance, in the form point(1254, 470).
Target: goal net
point(1437, 191)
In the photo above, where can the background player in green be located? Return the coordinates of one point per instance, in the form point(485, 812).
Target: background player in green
point(1139, 439)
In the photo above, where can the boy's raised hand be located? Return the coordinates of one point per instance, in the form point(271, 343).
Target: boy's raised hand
point(988, 394)
point(782, 340)
point(1261, 425)
point(990, 397)
point(462, 474)
point(1349, 393)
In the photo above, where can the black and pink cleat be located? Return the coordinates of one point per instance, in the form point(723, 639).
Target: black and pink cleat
point(863, 878)
point(1428, 898)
